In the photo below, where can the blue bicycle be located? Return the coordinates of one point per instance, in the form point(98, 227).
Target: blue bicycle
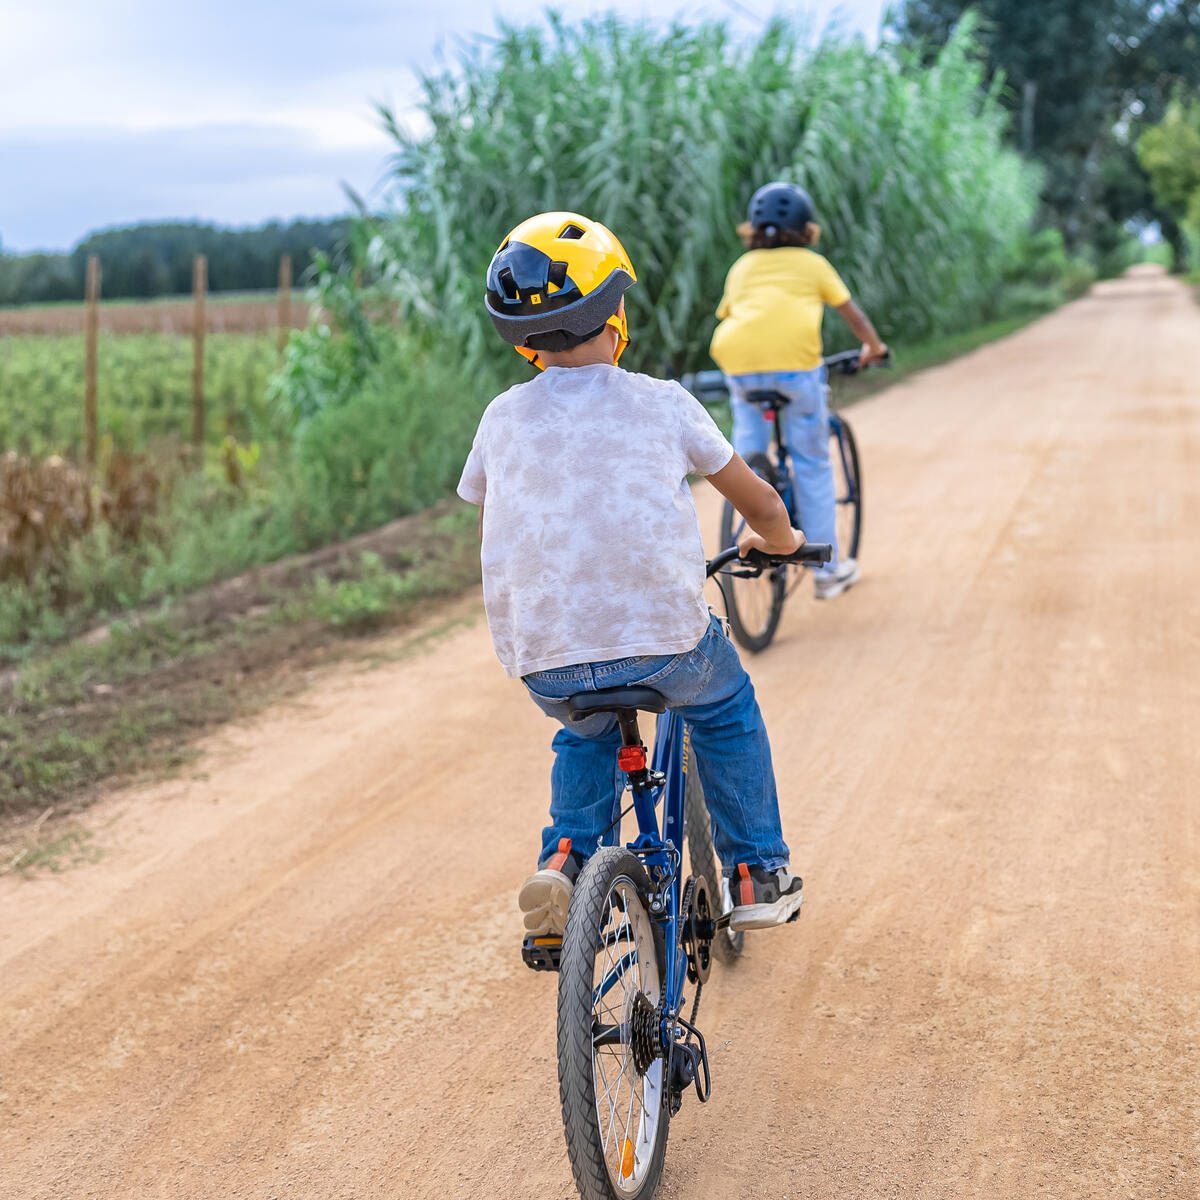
point(637, 934)
point(754, 606)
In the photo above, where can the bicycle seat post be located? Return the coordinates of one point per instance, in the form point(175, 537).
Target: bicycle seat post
point(627, 719)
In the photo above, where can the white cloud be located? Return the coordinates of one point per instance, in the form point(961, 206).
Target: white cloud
point(93, 94)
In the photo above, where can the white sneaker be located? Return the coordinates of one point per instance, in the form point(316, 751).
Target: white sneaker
point(546, 895)
point(845, 575)
point(764, 899)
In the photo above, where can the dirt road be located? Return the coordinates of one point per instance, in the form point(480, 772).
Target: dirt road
point(297, 973)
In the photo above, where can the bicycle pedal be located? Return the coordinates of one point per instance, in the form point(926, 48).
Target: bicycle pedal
point(541, 953)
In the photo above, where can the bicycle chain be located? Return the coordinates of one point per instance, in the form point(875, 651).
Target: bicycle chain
point(685, 909)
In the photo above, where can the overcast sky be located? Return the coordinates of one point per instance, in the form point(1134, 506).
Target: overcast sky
point(234, 111)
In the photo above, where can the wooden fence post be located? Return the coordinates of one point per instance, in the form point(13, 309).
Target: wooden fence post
point(199, 286)
point(91, 327)
point(285, 300)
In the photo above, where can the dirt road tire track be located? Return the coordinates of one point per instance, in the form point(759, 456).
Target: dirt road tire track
point(298, 974)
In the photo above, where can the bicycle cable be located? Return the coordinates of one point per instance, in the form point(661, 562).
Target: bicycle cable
point(617, 821)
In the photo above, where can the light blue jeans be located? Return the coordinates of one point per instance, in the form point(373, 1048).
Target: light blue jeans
point(806, 434)
point(709, 688)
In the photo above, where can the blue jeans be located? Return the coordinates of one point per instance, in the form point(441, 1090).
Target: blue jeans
point(709, 688)
point(806, 434)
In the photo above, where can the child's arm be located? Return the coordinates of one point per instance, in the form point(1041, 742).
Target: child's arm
point(860, 325)
point(760, 504)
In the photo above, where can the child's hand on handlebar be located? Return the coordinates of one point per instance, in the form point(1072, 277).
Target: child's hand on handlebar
point(871, 352)
point(753, 541)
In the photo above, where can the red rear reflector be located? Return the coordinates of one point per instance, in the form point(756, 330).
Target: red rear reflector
point(632, 758)
point(768, 414)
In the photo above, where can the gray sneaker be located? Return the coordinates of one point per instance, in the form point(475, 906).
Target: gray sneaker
point(763, 899)
point(845, 575)
point(545, 895)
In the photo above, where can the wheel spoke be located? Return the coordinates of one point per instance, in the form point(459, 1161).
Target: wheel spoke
point(627, 960)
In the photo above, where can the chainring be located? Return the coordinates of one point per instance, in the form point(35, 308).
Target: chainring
point(698, 927)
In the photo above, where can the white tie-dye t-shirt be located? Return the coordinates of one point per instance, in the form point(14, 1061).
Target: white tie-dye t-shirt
point(591, 545)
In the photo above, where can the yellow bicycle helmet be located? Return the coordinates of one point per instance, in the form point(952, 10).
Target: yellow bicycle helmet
point(555, 282)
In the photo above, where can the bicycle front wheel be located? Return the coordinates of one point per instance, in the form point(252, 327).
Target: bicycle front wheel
point(847, 483)
point(754, 605)
point(611, 1073)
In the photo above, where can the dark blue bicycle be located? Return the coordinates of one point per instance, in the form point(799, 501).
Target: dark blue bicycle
point(638, 934)
point(754, 606)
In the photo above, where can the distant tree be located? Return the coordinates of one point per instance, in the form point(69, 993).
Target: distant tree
point(35, 278)
point(1170, 154)
point(155, 259)
point(1082, 76)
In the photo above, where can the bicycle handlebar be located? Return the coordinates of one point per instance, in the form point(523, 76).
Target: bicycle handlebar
point(810, 554)
point(711, 385)
point(846, 363)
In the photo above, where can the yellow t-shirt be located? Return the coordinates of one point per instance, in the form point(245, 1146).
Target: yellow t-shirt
point(771, 311)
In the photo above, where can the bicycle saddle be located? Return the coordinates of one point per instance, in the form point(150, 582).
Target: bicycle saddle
point(777, 399)
point(614, 700)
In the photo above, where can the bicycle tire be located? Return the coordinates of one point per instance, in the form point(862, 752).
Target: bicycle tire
point(611, 872)
point(847, 478)
point(727, 946)
point(754, 606)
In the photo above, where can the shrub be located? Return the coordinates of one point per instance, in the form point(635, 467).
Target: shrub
point(45, 507)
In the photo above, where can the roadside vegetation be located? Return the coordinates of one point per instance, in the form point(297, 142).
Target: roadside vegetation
point(134, 693)
point(1170, 154)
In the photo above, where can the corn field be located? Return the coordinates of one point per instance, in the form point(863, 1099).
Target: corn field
point(144, 389)
point(664, 134)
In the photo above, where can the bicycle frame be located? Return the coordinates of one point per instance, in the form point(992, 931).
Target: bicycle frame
point(662, 853)
point(783, 461)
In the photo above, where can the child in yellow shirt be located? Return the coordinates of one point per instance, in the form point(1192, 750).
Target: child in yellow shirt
point(769, 337)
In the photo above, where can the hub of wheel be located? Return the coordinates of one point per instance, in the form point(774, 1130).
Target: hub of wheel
point(645, 1033)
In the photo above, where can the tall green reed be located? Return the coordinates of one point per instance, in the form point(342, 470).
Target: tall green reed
point(663, 133)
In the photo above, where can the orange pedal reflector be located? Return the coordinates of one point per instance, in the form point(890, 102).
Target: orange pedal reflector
point(626, 1158)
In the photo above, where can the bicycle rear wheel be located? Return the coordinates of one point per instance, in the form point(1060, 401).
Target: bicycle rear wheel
point(611, 1073)
point(847, 482)
point(697, 824)
point(755, 605)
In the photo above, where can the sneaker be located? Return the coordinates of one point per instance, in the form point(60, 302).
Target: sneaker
point(544, 896)
point(763, 899)
point(844, 575)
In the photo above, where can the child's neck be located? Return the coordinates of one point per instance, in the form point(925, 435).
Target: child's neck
point(586, 355)
point(599, 351)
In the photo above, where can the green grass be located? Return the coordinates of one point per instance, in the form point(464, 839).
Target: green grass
point(56, 851)
point(144, 390)
point(92, 709)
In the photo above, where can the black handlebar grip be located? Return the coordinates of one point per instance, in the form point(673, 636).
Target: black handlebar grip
point(811, 553)
point(816, 553)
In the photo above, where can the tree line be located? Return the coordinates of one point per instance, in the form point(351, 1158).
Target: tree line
point(155, 259)
point(1085, 82)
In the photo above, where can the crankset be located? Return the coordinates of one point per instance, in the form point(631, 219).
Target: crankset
point(697, 928)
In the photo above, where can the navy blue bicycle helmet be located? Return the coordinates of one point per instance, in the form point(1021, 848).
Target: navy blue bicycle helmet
point(780, 206)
